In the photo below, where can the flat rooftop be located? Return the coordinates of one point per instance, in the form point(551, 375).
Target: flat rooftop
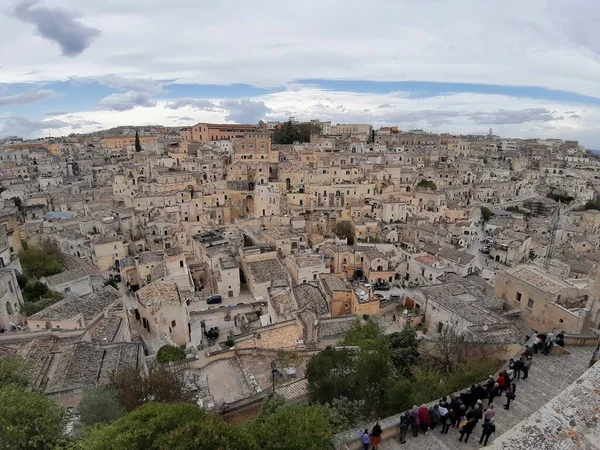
point(537, 278)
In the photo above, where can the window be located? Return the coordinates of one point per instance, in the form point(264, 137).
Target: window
point(518, 297)
point(181, 263)
point(10, 286)
point(530, 304)
point(67, 289)
point(560, 321)
point(173, 323)
point(440, 327)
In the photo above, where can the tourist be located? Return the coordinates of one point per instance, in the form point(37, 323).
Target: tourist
point(528, 351)
point(510, 395)
point(500, 382)
point(494, 392)
point(526, 367)
point(476, 413)
point(424, 418)
point(461, 414)
point(455, 406)
point(404, 423)
point(448, 421)
point(519, 368)
point(414, 420)
point(489, 413)
point(488, 428)
point(376, 433)
point(444, 402)
point(548, 346)
point(560, 339)
point(538, 344)
point(365, 439)
point(489, 384)
point(480, 392)
point(434, 416)
point(466, 429)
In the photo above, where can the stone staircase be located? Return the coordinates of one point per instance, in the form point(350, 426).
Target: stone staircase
point(549, 375)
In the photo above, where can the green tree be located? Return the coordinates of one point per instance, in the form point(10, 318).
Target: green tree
point(38, 263)
point(159, 385)
point(169, 353)
point(486, 213)
point(13, 370)
point(100, 406)
point(404, 349)
point(28, 420)
point(138, 146)
point(22, 280)
point(296, 427)
point(290, 132)
point(427, 184)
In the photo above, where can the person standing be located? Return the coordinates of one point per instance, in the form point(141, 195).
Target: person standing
point(414, 420)
point(489, 413)
point(448, 421)
point(467, 429)
point(376, 433)
point(404, 423)
point(424, 418)
point(365, 439)
point(461, 413)
point(519, 368)
point(560, 339)
point(526, 367)
point(494, 392)
point(488, 428)
point(434, 416)
point(510, 395)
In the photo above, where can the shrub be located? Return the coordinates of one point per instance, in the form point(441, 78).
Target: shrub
point(169, 353)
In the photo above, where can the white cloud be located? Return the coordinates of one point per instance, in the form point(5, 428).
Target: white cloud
point(456, 113)
point(25, 97)
point(552, 45)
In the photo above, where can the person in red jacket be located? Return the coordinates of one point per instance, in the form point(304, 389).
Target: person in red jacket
point(500, 380)
point(424, 418)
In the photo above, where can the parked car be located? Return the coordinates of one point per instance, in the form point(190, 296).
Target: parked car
point(214, 300)
point(395, 297)
point(380, 296)
point(381, 287)
point(485, 250)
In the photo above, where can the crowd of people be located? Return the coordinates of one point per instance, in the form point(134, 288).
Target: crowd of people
point(464, 411)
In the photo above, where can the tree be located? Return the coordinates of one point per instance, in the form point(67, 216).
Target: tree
point(295, 427)
point(100, 406)
point(371, 138)
point(442, 351)
point(405, 349)
point(28, 420)
point(138, 146)
point(486, 213)
point(290, 132)
point(22, 280)
point(160, 384)
point(169, 353)
point(427, 184)
point(593, 204)
point(344, 230)
point(38, 263)
point(142, 429)
point(13, 370)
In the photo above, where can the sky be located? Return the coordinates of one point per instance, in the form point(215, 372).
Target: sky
point(521, 68)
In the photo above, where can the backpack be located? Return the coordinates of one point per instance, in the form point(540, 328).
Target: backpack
point(462, 424)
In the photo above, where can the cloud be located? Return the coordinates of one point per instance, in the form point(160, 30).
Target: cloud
point(127, 100)
point(195, 103)
point(245, 110)
point(423, 117)
point(25, 97)
point(128, 84)
point(575, 116)
point(24, 126)
point(385, 105)
point(57, 112)
point(505, 117)
point(57, 25)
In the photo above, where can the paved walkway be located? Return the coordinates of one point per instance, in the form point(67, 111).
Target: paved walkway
point(549, 376)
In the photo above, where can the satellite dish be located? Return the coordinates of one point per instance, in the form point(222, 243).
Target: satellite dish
point(485, 328)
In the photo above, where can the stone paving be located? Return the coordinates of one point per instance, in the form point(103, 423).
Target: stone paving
point(549, 376)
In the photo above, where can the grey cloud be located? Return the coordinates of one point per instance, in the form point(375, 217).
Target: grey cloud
point(57, 25)
point(196, 103)
point(24, 126)
point(245, 110)
point(574, 116)
point(510, 117)
point(126, 101)
point(385, 105)
point(128, 84)
point(25, 97)
point(427, 116)
point(55, 113)
point(186, 118)
point(569, 112)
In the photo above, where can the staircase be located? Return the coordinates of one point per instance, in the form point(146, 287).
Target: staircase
point(548, 376)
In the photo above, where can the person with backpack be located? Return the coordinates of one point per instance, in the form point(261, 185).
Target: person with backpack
point(414, 420)
point(376, 433)
point(510, 395)
point(404, 424)
point(488, 428)
point(466, 428)
point(494, 392)
point(448, 421)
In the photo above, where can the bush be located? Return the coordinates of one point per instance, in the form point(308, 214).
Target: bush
point(486, 213)
point(100, 405)
point(169, 353)
point(427, 184)
point(39, 263)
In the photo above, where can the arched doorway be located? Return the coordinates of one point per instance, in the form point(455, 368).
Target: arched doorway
point(288, 184)
point(249, 204)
